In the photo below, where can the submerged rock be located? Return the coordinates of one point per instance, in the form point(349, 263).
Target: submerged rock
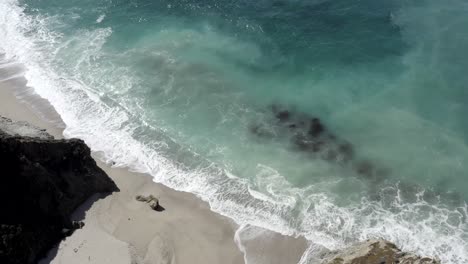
point(375, 251)
point(43, 180)
point(310, 135)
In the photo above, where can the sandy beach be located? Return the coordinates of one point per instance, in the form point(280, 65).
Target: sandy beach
point(119, 229)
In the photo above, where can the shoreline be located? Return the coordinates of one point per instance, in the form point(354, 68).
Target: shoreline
point(119, 229)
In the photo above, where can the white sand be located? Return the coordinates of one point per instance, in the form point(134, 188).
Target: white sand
point(119, 229)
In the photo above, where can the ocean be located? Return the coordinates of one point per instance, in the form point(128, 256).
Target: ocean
point(329, 119)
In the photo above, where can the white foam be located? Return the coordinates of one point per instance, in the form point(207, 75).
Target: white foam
point(239, 242)
point(107, 129)
point(100, 18)
point(100, 126)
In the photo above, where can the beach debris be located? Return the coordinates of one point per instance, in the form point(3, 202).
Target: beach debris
point(152, 201)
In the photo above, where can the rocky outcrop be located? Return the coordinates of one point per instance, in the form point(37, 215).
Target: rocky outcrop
point(375, 252)
point(152, 201)
point(309, 135)
point(42, 181)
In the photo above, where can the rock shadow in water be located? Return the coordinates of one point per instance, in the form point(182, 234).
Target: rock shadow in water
point(308, 134)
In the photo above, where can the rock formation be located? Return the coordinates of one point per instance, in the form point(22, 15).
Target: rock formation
point(308, 134)
point(43, 181)
point(375, 252)
point(152, 201)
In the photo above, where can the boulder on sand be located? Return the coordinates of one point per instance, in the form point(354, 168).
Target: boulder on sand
point(151, 200)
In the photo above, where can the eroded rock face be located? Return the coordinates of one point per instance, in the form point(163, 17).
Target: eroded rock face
point(375, 252)
point(43, 181)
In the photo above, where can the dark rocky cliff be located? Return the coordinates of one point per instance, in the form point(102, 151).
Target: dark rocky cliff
point(42, 181)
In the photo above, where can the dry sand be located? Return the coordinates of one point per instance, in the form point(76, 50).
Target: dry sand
point(119, 229)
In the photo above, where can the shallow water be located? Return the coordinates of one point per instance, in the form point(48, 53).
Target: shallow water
point(185, 90)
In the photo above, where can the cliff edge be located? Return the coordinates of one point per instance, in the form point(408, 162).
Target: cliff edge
point(42, 181)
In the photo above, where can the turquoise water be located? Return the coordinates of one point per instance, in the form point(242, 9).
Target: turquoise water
point(184, 90)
